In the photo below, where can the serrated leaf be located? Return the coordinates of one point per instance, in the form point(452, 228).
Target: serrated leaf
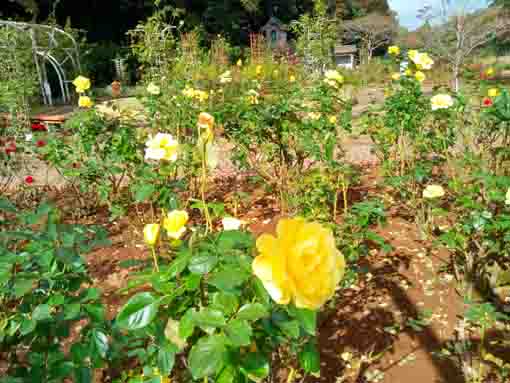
point(255, 366)
point(138, 312)
point(209, 318)
point(252, 312)
point(307, 319)
point(239, 333)
point(207, 356)
point(228, 279)
point(202, 263)
point(100, 341)
point(225, 302)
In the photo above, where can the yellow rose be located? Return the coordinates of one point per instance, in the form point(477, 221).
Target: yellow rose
point(151, 233)
point(201, 95)
point(206, 123)
point(292, 78)
point(301, 264)
point(412, 54)
point(162, 147)
point(489, 72)
point(420, 76)
point(394, 50)
point(258, 69)
point(409, 72)
point(175, 223)
point(333, 75)
point(395, 76)
point(441, 101)
point(82, 84)
point(85, 102)
point(423, 61)
point(253, 97)
point(332, 120)
point(433, 191)
point(493, 92)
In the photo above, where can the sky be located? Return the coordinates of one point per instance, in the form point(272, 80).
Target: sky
point(407, 9)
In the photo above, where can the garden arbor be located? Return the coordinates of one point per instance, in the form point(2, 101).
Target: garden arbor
point(51, 47)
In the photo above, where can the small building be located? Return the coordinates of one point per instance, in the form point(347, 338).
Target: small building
point(275, 32)
point(345, 56)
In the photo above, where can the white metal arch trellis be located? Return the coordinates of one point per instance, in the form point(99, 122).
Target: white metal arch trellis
point(53, 46)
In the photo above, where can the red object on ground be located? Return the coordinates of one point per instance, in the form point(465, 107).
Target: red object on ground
point(40, 143)
point(29, 179)
point(39, 127)
point(487, 102)
point(11, 148)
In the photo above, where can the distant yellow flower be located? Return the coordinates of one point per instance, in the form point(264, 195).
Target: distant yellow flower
point(153, 89)
point(412, 54)
point(423, 61)
point(408, 72)
point(489, 72)
point(201, 95)
point(433, 191)
point(85, 102)
point(493, 92)
point(253, 97)
point(507, 202)
point(332, 119)
point(292, 78)
point(188, 92)
point(162, 147)
point(441, 101)
point(258, 69)
point(301, 264)
point(239, 63)
point(82, 84)
point(420, 76)
point(394, 50)
point(276, 72)
point(206, 124)
point(151, 233)
point(333, 78)
point(395, 76)
point(175, 223)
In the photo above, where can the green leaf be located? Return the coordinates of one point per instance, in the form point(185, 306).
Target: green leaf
point(100, 341)
point(166, 358)
point(306, 318)
point(138, 312)
point(252, 312)
point(255, 366)
point(144, 192)
point(228, 279)
point(82, 375)
point(41, 312)
point(239, 333)
point(27, 326)
point(207, 356)
point(178, 264)
point(71, 311)
point(309, 358)
point(202, 263)
point(234, 240)
point(7, 205)
point(22, 286)
point(186, 324)
point(290, 328)
point(228, 375)
point(209, 318)
point(226, 302)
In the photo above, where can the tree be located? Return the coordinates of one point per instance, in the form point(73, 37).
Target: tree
point(372, 31)
point(457, 29)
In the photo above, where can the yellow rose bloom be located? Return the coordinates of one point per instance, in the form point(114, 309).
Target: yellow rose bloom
point(162, 147)
point(292, 78)
point(82, 84)
point(420, 76)
point(493, 92)
point(332, 119)
point(85, 102)
point(394, 50)
point(151, 233)
point(433, 191)
point(175, 223)
point(334, 76)
point(412, 54)
point(301, 264)
point(423, 61)
point(408, 72)
point(395, 76)
point(258, 69)
point(489, 72)
point(441, 101)
point(206, 123)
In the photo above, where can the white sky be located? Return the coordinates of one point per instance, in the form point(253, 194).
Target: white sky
point(407, 9)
